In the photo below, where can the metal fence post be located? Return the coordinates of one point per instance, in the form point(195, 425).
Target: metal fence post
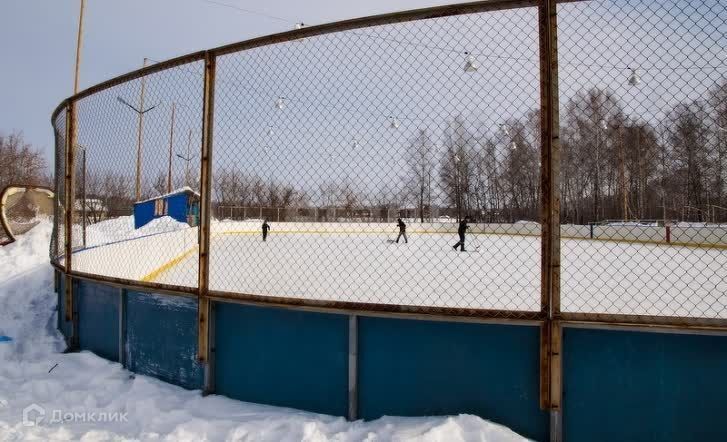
point(550, 354)
point(203, 309)
point(352, 367)
point(69, 196)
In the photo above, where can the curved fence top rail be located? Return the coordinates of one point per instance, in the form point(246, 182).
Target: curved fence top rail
point(306, 32)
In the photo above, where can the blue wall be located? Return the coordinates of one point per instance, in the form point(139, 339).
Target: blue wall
point(161, 338)
point(282, 357)
point(143, 213)
point(176, 208)
point(419, 368)
point(639, 386)
point(98, 311)
point(65, 327)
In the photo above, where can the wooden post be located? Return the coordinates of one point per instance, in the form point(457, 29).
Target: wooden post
point(140, 135)
point(171, 149)
point(79, 39)
point(68, 204)
point(550, 210)
point(203, 311)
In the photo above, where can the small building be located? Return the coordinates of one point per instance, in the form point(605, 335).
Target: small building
point(181, 204)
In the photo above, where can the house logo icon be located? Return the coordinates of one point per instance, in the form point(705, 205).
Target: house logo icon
point(33, 415)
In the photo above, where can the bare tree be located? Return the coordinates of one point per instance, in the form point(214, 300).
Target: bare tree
point(688, 135)
point(420, 159)
point(22, 164)
point(456, 166)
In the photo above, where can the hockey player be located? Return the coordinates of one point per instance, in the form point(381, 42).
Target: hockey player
point(402, 231)
point(462, 230)
point(266, 228)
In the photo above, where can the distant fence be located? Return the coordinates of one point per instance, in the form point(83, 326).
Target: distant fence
point(535, 119)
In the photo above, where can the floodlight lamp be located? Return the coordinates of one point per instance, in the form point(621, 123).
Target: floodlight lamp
point(505, 130)
point(470, 64)
point(634, 78)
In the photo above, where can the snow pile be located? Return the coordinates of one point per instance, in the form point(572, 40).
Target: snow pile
point(34, 371)
point(122, 228)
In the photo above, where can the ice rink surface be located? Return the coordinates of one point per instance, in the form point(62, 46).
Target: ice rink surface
point(498, 272)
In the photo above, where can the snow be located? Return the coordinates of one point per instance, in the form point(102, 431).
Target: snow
point(34, 370)
point(122, 229)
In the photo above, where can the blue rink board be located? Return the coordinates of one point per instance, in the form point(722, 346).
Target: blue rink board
point(642, 386)
point(161, 338)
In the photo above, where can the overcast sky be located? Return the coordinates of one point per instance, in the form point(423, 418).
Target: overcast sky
point(667, 41)
point(38, 40)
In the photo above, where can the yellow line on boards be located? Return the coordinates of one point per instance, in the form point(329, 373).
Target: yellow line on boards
point(168, 265)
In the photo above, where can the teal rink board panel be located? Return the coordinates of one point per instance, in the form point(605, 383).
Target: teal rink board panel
point(643, 386)
point(98, 312)
point(282, 357)
point(423, 368)
point(161, 338)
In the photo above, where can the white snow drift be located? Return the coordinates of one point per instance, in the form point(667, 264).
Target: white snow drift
point(80, 385)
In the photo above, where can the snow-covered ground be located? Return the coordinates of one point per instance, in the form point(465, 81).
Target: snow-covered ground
point(98, 400)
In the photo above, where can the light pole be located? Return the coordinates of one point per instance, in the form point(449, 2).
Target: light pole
point(171, 143)
point(187, 159)
point(140, 129)
point(78, 47)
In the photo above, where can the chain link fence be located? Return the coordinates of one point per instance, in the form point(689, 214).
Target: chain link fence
point(643, 96)
point(395, 162)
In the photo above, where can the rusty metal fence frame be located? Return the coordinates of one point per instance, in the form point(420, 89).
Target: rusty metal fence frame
point(550, 318)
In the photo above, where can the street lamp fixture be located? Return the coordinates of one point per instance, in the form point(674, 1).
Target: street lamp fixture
point(634, 78)
point(470, 64)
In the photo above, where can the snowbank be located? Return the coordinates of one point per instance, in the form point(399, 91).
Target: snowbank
point(34, 371)
point(122, 228)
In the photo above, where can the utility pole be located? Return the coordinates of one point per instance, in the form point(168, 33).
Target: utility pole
point(78, 47)
point(187, 159)
point(140, 131)
point(171, 144)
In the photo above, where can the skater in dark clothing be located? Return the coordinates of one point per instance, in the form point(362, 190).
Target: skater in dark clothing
point(402, 231)
point(461, 231)
point(266, 228)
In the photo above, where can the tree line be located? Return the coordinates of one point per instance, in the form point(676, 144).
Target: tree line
point(614, 166)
